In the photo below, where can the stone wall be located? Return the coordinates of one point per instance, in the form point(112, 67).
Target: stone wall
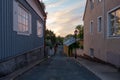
point(10, 65)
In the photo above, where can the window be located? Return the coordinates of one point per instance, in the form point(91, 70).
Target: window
point(99, 24)
point(114, 22)
point(99, 0)
point(39, 29)
point(91, 4)
point(92, 52)
point(22, 19)
point(91, 27)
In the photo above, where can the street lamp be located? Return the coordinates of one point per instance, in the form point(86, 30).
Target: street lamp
point(75, 33)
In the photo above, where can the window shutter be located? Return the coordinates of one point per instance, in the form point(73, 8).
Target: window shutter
point(15, 15)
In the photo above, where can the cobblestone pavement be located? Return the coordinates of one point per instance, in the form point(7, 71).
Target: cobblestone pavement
point(58, 67)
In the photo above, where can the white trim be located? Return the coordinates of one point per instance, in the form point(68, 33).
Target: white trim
point(108, 24)
point(99, 1)
point(15, 15)
point(99, 25)
point(16, 6)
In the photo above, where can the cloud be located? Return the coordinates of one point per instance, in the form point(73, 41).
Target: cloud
point(54, 3)
point(63, 16)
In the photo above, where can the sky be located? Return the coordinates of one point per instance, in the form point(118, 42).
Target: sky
point(64, 15)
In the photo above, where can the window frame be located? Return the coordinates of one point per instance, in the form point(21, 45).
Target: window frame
point(99, 1)
point(108, 23)
point(92, 4)
point(92, 52)
point(99, 27)
point(91, 26)
point(16, 14)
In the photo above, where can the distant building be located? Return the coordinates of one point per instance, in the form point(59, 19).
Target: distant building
point(102, 30)
point(22, 24)
point(69, 46)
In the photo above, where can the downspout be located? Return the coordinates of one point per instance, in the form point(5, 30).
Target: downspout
point(105, 28)
point(104, 18)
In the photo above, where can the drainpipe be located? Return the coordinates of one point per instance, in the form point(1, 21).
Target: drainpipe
point(105, 29)
point(104, 18)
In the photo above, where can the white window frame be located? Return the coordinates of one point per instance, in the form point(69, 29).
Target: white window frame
point(108, 23)
point(99, 0)
point(39, 26)
point(16, 6)
point(91, 26)
point(92, 52)
point(92, 4)
point(98, 24)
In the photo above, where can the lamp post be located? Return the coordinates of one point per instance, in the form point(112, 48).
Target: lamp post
point(75, 33)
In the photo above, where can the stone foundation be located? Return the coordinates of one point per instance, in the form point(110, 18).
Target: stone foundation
point(10, 65)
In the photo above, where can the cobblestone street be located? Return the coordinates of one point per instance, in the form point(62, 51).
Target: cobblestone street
point(58, 67)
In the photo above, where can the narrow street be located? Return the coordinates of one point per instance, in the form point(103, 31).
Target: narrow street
point(58, 67)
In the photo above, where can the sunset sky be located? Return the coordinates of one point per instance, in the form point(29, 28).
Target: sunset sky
point(64, 15)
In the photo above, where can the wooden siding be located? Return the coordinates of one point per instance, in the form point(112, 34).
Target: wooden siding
point(12, 44)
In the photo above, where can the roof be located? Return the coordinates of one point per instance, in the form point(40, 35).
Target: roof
point(42, 6)
point(38, 5)
point(70, 41)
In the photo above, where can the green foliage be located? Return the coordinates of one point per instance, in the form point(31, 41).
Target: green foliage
point(69, 35)
point(59, 39)
point(74, 46)
point(82, 47)
point(50, 38)
point(80, 29)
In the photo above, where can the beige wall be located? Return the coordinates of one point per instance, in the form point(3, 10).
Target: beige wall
point(112, 44)
point(104, 48)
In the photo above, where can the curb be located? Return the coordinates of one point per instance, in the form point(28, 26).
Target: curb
point(21, 71)
point(103, 71)
point(78, 62)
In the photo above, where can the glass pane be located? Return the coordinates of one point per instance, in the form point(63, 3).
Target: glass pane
point(118, 28)
point(112, 23)
point(27, 28)
point(112, 15)
point(100, 24)
point(118, 13)
point(118, 17)
point(23, 18)
point(26, 22)
point(26, 15)
point(20, 27)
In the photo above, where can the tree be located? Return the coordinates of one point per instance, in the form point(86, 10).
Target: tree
point(80, 28)
point(50, 38)
point(60, 39)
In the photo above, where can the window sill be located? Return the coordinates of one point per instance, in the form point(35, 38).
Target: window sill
point(39, 36)
point(114, 37)
point(25, 34)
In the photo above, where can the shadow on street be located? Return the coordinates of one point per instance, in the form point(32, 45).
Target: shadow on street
point(58, 67)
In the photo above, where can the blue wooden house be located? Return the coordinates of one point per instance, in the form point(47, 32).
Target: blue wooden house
point(22, 25)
